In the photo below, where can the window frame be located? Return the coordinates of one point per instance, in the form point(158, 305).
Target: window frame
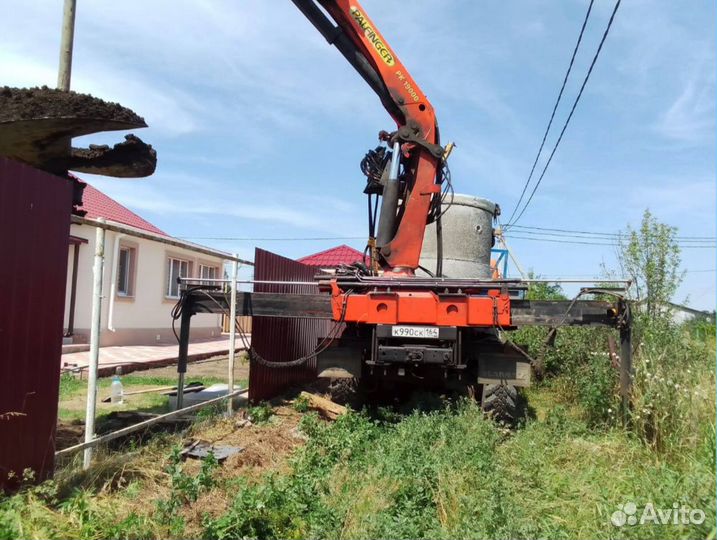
point(131, 273)
point(214, 269)
point(171, 281)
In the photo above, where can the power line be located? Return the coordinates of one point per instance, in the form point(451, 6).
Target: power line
point(247, 239)
point(596, 233)
point(555, 108)
point(575, 104)
point(593, 276)
point(513, 237)
point(606, 237)
point(591, 243)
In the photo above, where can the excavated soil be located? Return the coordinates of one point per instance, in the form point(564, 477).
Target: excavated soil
point(68, 434)
point(43, 102)
point(267, 447)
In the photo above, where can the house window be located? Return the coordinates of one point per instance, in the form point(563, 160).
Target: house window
point(126, 271)
point(208, 272)
point(175, 268)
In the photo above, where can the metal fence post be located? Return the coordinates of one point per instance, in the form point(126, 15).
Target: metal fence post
point(232, 333)
point(187, 312)
point(625, 358)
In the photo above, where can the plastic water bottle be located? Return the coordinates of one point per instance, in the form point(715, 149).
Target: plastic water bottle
point(116, 390)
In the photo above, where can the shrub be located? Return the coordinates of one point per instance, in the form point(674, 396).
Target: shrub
point(260, 413)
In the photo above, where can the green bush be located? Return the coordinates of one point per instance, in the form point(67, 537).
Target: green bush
point(301, 404)
point(260, 413)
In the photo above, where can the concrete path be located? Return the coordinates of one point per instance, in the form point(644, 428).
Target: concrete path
point(140, 357)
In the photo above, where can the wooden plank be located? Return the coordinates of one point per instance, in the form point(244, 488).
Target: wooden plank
point(326, 407)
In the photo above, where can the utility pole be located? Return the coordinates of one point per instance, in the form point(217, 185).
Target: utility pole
point(66, 45)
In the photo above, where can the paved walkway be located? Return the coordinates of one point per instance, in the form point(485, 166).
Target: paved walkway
point(139, 357)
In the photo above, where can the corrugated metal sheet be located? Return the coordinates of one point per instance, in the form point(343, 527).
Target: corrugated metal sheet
point(282, 339)
point(35, 222)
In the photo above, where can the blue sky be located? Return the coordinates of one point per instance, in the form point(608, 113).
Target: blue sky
point(260, 125)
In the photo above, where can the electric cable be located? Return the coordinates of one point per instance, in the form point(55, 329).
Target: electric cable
point(555, 108)
point(614, 239)
point(606, 243)
point(572, 111)
point(600, 233)
point(253, 355)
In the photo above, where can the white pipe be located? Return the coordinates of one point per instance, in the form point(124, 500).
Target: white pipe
point(232, 333)
point(94, 343)
point(113, 284)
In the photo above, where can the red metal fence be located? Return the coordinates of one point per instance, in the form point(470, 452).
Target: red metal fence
point(282, 339)
point(35, 212)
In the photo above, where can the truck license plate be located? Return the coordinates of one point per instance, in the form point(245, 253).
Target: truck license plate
point(415, 331)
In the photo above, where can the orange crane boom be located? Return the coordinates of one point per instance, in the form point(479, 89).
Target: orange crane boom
point(405, 208)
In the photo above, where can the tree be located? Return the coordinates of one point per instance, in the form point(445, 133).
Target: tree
point(650, 257)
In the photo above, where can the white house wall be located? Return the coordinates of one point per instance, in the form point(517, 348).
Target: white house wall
point(144, 318)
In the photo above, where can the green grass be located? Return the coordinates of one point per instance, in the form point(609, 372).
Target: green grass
point(73, 391)
point(70, 385)
point(445, 474)
point(449, 473)
point(453, 474)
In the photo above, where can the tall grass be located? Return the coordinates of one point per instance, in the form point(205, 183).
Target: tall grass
point(449, 473)
point(453, 474)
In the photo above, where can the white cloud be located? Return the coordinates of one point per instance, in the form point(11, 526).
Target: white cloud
point(690, 118)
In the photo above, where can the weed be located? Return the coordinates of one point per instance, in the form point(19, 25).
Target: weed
point(211, 412)
point(260, 413)
point(70, 385)
point(185, 488)
point(301, 404)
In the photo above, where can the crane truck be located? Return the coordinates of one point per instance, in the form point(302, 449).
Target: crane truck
point(406, 322)
point(404, 316)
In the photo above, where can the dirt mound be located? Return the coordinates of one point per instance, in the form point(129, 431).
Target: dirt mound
point(267, 447)
point(43, 102)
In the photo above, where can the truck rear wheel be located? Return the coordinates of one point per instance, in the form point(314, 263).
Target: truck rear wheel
point(500, 402)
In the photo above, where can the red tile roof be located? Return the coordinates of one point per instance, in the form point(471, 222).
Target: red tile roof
point(330, 258)
point(97, 205)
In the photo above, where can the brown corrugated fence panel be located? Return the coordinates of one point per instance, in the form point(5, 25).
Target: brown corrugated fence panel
point(35, 212)
point(282, 339)
point(244, 322)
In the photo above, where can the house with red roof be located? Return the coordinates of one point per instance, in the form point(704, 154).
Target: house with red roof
point(329, 259)
point(139, 280)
